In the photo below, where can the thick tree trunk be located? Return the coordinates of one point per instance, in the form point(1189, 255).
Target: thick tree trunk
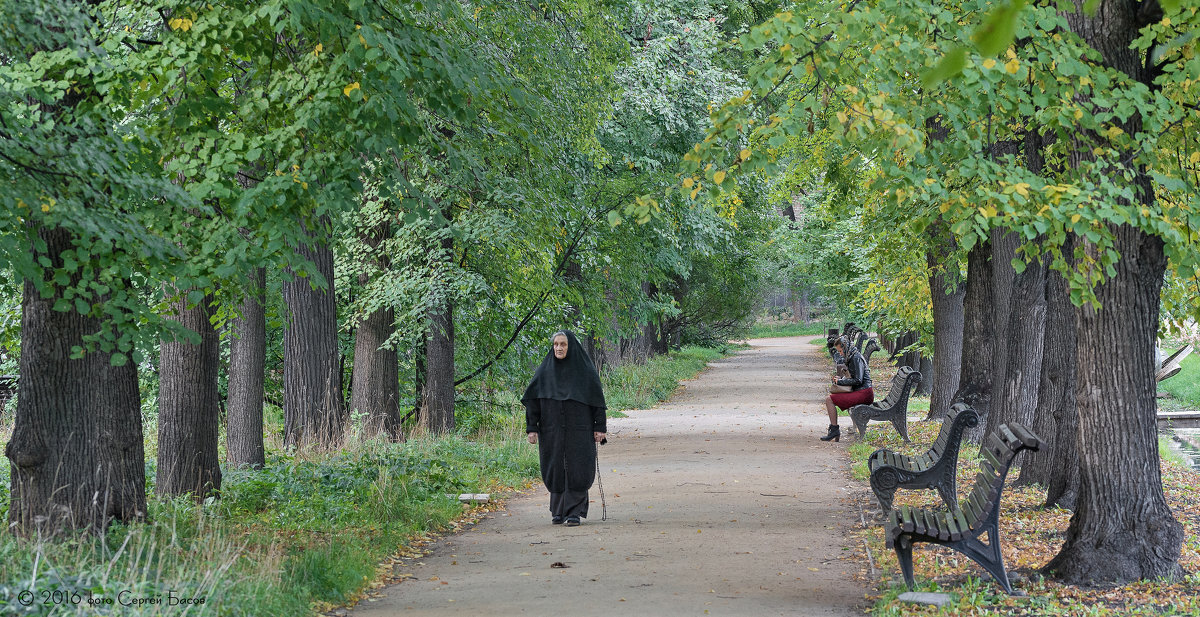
point(925, 366)
point(314, 412)
point(437, 413)
point(376, 391)
point(1057, 465)
point(188, 405)
point(979, 344)
point(947, 291)
point(1017, 385)
point(75, 455)
point(1004, 249)
point(1122, 529)
point(247, 360)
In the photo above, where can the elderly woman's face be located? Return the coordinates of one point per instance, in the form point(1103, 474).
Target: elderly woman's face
point(560, 347)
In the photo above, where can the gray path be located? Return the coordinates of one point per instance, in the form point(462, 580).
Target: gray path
point(720, 502)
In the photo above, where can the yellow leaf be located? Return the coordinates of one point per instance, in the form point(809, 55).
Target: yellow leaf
point(45, 207)
point(1078, 113)
point(1012, 66)
point(841, 116)
point(719, 177)
point(317, 49)
point(1194, 158)
point(744, 154)
point(945, 207)
point(304, 185)
point(175, 23)
point(350, 88)
point(989, 63)
point(1023, 189)
point(688, 182)
point(1098, 151)
point(694, 191)
point(1075, 219)
point(929, 181)
point(1114, 132)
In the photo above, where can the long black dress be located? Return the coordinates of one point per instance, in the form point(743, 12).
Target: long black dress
point(564, 405)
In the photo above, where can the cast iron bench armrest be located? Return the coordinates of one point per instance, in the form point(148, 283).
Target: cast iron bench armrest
point(893, 408)
point(936, 468)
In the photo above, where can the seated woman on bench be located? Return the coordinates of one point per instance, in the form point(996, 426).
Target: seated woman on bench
point(846, 392)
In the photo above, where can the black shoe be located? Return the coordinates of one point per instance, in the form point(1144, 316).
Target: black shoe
point(835, 433)
point(572, 521)
point(556, 520)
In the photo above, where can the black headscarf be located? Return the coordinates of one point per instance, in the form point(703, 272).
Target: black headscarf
point(574, 377)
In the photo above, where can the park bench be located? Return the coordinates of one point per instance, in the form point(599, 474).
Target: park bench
point(871, 347)
point(893, 408)
point(960, 527)
point(937, 468)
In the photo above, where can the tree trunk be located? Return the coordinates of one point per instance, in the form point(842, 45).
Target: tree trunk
point(376, 391)
point(947, 291)
point(1122, 529)
point(1004, 249)
point(247, 359)
point(437, 413)
point(1056, 466)
point(76, 456)
point(976, 371)
point(314, 412)
point(188, 405)
point(1017, 385)
point(925, 366)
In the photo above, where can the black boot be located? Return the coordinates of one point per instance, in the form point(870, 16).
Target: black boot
point(835, 433)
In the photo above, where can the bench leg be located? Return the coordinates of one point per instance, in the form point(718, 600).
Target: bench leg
point(884, 485)
point(904, 556)
point(900, 421)
point(988, 556)
point(860, 422)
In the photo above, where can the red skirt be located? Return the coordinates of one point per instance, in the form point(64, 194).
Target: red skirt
point(846, 400)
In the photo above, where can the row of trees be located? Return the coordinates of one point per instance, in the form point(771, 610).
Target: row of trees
point(1028, 177)
point(348, 209)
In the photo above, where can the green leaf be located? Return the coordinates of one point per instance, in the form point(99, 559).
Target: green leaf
point(950, 65)
point(119, 359)
point(996, 32)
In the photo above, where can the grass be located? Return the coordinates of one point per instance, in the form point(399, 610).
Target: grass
point(1185, 386)
point(768, 330)
point(307, 532)
point(1030, 536)
point(633, 386)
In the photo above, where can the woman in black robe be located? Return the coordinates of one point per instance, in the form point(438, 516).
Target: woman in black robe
point(564, 416)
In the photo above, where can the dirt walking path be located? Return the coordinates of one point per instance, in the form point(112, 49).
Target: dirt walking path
point(720, 502)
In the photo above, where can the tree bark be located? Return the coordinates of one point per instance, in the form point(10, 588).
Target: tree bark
point(247, 361)
point(1122, 529)
point(376, 390)
point(76, 455)
point(314, 412)
point(947, 291)
point(1004, 249)
point(437, 413)
point(1017, 385)
point(979, 344)
point(188, 405)
point(1056, 466)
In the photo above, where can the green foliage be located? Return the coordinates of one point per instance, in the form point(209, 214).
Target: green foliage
point(641, 387)
point(294, 533)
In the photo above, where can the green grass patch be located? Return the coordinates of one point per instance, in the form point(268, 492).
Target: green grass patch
point(1185, 386)
point(769, 330)
point(304, 532)
point(640, 386)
